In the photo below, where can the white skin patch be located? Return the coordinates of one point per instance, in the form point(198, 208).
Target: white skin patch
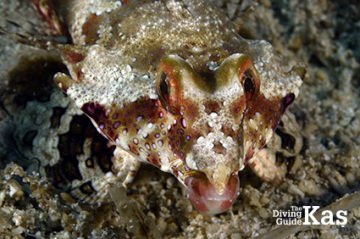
point(217, 166)
point(108, 82)
point(190, 161)
point(274, 81)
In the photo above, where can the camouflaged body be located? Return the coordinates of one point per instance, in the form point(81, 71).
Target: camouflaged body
point(171, 83)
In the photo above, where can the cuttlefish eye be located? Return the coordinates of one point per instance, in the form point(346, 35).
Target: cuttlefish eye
point(169, 85)
point(164, 87)
point(175, 78)
point(248, 77)
point(206, 199)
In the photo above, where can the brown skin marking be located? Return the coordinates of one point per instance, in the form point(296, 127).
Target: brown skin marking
point(191, 109)
point(110, 132)
point(175, 171)
point(90, 28)
point(212, 107)
point(219, 148)
point(79, 74)
point(71, 56)
point(249, 155)
point(252, 165)
point(269, 109)
point(238, 106)
point(93, 110)
point(177, 138)
point(149, 112)
point(134, 149)
point(227, 130)
point(154, 160)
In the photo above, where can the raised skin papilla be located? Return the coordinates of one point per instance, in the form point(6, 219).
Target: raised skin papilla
point(171, 83)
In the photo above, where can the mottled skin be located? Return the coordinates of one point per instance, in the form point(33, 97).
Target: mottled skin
point(171, 83)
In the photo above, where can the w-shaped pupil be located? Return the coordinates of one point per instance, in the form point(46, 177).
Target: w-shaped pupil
point(249, 85)
point(164, 87)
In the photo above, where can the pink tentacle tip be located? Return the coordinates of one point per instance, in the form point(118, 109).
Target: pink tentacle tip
point(206, 199)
